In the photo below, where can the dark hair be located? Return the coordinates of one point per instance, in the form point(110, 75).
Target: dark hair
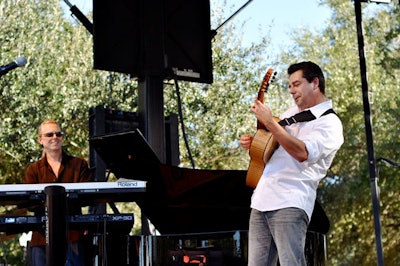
point(310, 71)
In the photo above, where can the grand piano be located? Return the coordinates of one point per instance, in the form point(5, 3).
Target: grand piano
point(196, 212)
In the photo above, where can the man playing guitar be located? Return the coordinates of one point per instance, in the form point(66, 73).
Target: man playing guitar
point(284, 197)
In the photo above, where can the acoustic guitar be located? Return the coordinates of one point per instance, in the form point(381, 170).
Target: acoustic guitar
point(264, 144)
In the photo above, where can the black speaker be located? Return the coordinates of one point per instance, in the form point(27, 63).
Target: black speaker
point(188, 40)
point(167, 38)
point(117, 36)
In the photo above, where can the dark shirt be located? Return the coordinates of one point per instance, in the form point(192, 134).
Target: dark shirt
point(72, 170)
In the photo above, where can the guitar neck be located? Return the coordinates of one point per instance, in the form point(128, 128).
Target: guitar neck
point(260, 125)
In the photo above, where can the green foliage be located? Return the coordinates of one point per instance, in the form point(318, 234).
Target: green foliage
point(12, 253)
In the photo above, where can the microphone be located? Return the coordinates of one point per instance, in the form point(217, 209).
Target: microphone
point(19, 62)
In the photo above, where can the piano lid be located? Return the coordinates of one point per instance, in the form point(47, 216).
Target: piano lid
point(126, 154)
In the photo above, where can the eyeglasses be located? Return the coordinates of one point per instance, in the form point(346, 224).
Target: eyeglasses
point(51, 134)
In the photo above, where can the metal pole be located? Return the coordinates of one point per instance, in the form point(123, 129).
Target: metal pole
point(56, 240)
point(370, 143)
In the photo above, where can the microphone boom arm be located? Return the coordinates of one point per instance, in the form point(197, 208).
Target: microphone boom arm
point(214, 32)
point(80, 16)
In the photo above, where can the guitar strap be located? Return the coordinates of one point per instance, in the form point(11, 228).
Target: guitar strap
point(302, 117)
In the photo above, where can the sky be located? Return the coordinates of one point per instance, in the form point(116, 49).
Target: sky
point(283, 16)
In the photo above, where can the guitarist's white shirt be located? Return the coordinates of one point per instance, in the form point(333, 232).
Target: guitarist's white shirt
point(288, 183)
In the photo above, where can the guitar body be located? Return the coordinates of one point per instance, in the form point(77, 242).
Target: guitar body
point(261, 149)
point(264, 144)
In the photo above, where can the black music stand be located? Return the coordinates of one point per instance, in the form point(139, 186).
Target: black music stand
point(126, 154)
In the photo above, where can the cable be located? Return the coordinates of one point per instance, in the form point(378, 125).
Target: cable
point(178, 96)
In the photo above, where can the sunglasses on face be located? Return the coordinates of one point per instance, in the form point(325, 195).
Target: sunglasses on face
point(51, 134)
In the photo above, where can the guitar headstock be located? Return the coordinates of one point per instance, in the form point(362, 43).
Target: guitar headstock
point(269, 77)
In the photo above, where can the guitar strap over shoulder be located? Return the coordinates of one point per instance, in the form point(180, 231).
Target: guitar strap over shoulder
point(302, 117)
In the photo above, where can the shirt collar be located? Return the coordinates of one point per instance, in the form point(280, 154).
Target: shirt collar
point(320, 108)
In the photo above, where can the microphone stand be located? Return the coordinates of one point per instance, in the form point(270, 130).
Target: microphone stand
point(80, 16)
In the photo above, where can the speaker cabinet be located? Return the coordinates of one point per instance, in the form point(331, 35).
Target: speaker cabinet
point(117, 36)
point(168, 38)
